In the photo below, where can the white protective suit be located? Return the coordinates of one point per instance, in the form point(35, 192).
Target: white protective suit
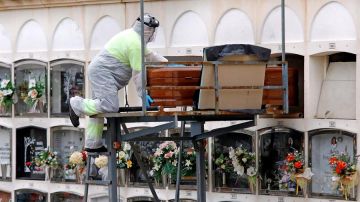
point(109, 72)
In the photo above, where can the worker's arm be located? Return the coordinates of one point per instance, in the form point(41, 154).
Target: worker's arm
point(154, 57)
point(151, 57)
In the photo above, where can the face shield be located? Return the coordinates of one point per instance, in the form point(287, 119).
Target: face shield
point(152, 35)
point(150, 25)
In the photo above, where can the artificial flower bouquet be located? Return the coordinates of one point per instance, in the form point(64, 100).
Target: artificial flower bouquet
point(244, 162)
point(223, 164)
point(35, 94)
point(102, 163)
point(295, 171)
point(188, 163)
point(123, 157)
point(345, 173)
point(165, 160)
point(47, 158)
point(294, 163)
point(6, 94)
point(79, 160)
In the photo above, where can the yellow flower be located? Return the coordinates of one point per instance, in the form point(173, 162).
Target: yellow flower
point(129, 163)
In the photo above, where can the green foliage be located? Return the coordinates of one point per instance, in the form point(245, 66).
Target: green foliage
point(47, 158)
point(7, 90)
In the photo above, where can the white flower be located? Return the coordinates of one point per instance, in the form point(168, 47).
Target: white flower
point(231, 152)
point(239, 151)
point(32, 83)
point(127, 146)
point(156, 167)
point(76, 158)
point(251, 171)
point(174, 163)
point(55, 153)
point(101, 161)
point(4, 83)
point(244, 160)
point(7, 92)
point(122, 155)
point(151, 173)
point(188, 163)
point(240, 170)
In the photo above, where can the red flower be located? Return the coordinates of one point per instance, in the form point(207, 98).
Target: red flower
point(290, 157)
point(28, 163)
point(333, 160)
point(298, 164)
point(341, 165)
point(338, 170)
point(84, 155)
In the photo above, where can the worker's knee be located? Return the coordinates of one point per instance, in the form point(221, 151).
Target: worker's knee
point(109, 105)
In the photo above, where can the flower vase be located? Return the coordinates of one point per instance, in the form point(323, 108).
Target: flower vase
point(166, 180)
point(252, 184)
point(47, 172)
point(223, 177)
point(5, 110)
point(3, 171)
point(157, 182)
point(80, 175)
point(348, 183)
point(122, 177)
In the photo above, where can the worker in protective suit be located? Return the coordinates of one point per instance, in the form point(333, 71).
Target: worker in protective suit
point(108, 72)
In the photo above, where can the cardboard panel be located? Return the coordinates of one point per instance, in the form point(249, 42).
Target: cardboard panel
point(233, 75)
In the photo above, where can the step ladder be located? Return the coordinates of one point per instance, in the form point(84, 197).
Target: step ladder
point(89, 181)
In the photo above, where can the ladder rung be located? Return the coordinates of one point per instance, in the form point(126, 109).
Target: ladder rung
point(98, 182)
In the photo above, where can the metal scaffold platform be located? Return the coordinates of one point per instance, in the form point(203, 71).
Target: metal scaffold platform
point(196, 119)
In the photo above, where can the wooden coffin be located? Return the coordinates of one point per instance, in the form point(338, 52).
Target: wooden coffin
point(273, 77)
point(173, 76)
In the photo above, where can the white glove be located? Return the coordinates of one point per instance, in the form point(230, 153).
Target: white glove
point(154, 57)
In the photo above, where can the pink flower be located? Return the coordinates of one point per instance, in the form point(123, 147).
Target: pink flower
point(163, 145)
point(33, 93)
point(157, 153)
point(168, 155)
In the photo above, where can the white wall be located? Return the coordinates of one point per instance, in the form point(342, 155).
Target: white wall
point(78, 32)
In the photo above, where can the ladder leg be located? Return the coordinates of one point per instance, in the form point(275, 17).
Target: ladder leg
point(86, 192)
point(196, 129)
point(178, 173)
point(111, 138)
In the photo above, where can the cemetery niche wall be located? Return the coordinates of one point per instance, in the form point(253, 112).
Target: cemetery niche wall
point(5, 153)
point(226, 178)
point(31, 88)
point(65, 140)
point(325, 143)
point(6, 90)
point(275, 145)
point(67, 80)
point(30, 141)
point(29, 195)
